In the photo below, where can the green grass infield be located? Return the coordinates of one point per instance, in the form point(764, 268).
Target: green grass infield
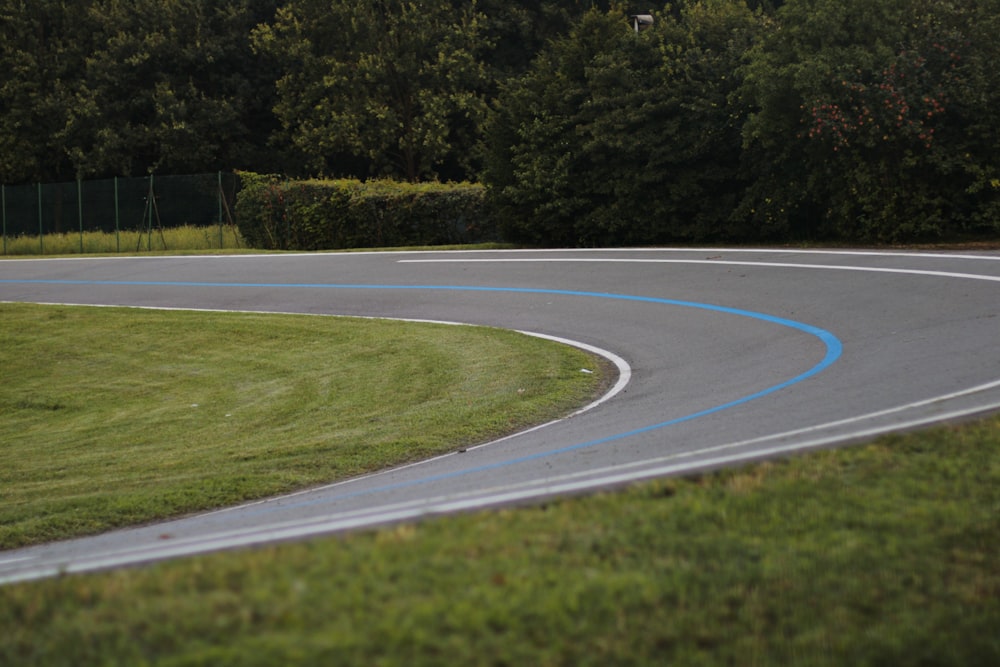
point(878, 554)
point(114, 417)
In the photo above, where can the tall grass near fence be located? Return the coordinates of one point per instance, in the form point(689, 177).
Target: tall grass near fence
point(185, 238)
point(120, 215)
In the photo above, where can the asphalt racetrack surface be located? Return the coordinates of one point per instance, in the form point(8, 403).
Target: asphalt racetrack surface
point(724, 356)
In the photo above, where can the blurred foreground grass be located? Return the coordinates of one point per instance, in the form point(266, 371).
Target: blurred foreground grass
point(884, 554)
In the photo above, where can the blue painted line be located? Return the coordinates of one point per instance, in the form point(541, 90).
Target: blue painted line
point(834, 349)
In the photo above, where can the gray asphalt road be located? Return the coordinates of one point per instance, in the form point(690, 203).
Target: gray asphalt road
point(725, 356)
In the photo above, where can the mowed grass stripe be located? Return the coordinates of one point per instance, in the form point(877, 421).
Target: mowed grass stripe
point(119, 416)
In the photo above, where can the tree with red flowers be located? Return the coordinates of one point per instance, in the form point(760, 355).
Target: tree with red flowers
point(878, 118)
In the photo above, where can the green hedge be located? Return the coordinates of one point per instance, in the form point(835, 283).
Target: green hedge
point(279, 214)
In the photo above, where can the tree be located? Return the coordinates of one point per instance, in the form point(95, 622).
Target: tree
point(43, 47)
point(875, 121)
point(619, 138)
point(172, 86)
point(393, 84)
point(105, 87)
point(517, 30)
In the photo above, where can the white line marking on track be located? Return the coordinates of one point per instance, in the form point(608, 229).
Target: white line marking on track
point(418, 509)
point(526, 251)
point(8, 561)
point(716, 262)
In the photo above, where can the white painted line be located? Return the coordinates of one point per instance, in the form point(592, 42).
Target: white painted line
point(417, 509)
point(624, 370)
point(616, 472)
point(715, 262)
point(9, 561)
point(666, 465)
point(525, 251)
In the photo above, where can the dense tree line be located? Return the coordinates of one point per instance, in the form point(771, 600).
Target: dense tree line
point(854, 120)
point(613, 137)
point(341, 87)
point(869, 120)
point(876, 120)
point(102, 87)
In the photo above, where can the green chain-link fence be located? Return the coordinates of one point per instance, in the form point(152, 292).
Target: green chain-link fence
point(127, 208)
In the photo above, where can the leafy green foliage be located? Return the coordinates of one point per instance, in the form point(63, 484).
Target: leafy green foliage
point(275, 213)
point(42, 56)
point(851, 121)
point(517, 30)
point(874, 120)
point(761, 120)
point(618, 138)
point(392, 84)
point(106, 87)
point(191, 82)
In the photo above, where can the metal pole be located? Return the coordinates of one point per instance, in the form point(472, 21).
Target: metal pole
point(220, 211)
point(118, 241)
point(41, 230)
point(3, 198)
point(149, 228)
point(79, 209)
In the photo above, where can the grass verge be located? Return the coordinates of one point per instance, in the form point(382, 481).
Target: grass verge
point(172, 239)
point(183, 240)
point(884, 554)
point(119, 416)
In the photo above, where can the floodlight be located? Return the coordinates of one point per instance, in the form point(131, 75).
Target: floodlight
point(641, 21)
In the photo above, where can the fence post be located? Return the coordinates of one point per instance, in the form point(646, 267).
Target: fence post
point(149, 205)
point(118, 241)
point(3, 197)
point(79, 208)
point(221, 241)
point(41, 226)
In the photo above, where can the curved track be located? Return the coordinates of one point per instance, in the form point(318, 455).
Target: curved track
point(725, 356)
